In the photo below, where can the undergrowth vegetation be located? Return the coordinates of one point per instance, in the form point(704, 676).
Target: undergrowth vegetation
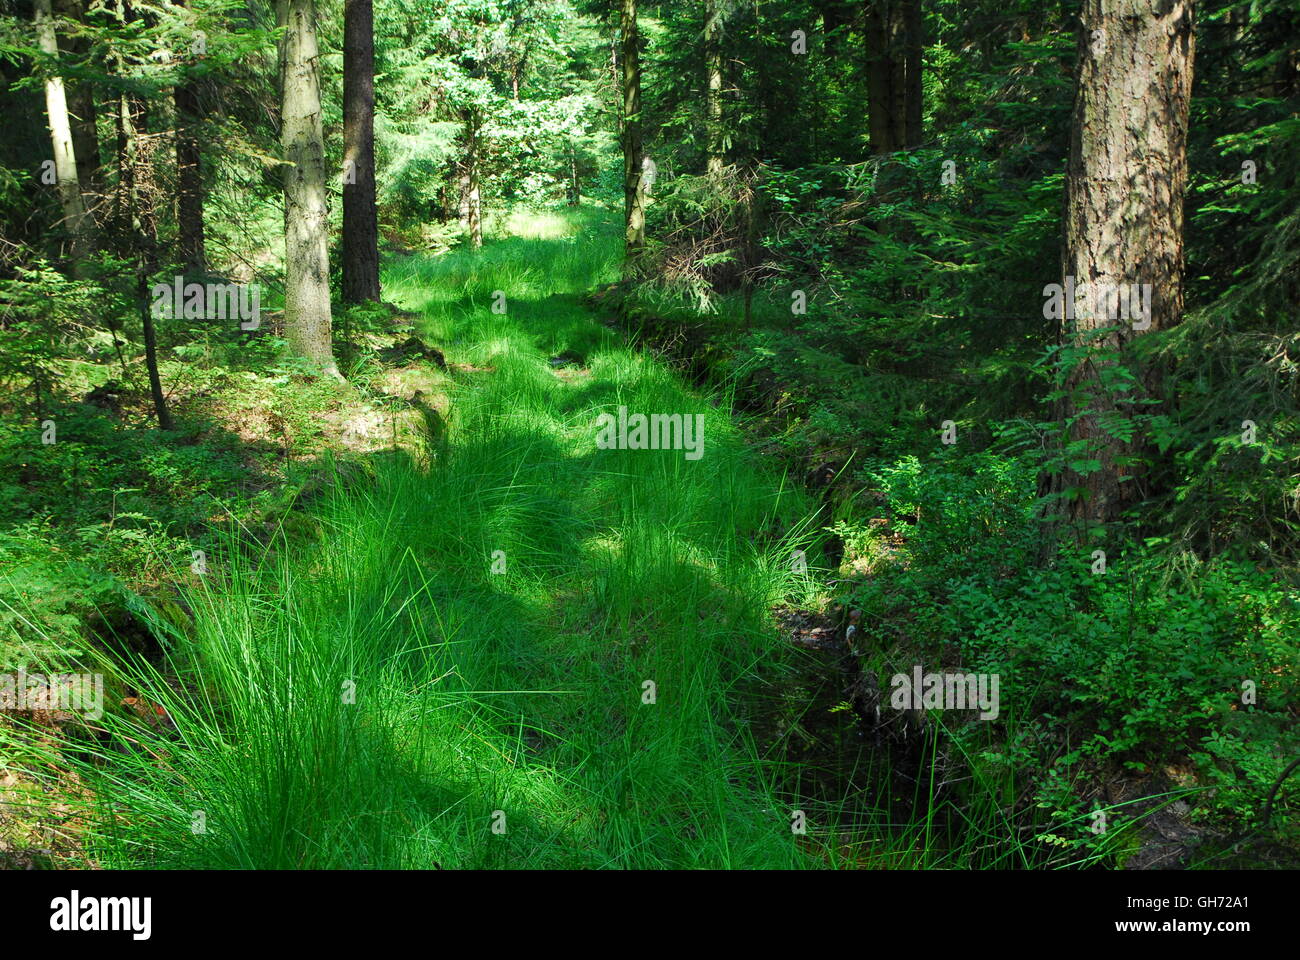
point(519, 630)
point(367, 590)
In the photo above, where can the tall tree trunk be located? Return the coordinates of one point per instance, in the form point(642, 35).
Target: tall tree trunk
point(78, 221)
point(1124, 219)
point(880, 101)
point(471, 204)
point(575, 187)
point(360, 218)
point(713, 68)
point(307, 317)
point(82, 111)
point(164, 415)
point(614, 79)
point(462, 193)
point(633, 152)
point(120, 221)
point(143, 238)
point(189, 176)
point(913, 48)
point(85, 139)
point(894, 41)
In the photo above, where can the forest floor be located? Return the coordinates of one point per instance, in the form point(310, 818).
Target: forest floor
point(444, 628)
point(506, 647)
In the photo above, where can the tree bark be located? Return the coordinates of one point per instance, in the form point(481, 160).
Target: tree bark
point(913, 48)
point(575, 187)
point(894, 41)
point(75, 216)
point(120, 222)
point(360, 217)
point(151, 345)
point(85, 139)
point(462, 193)
point(896, 37)
point(633, 151)
point(1124, 221)
point(713, 69)
point(189, 176)
point(82, 111)
point(614, 79)
point(471, 204)
point(143, 240)
point(307, 316)
point(880, 102)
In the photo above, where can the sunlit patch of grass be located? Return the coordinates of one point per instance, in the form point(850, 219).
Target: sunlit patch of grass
point(533, 653)
point(384, 696)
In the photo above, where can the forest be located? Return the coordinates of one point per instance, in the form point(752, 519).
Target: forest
point(630, 435)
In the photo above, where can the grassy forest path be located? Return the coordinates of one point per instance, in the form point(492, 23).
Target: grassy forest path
point(527, 652)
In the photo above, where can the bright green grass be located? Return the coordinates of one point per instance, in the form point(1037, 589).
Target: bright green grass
point(475, 691)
